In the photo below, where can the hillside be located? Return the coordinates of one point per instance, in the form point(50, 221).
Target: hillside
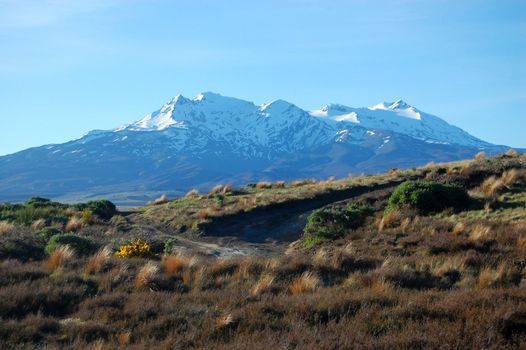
point(210, 139)
point(431, 257)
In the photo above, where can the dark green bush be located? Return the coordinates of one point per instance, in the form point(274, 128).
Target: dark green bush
point(333, 223)
point(81, 245)
point(103, 208)
point(46, 233)
point(427, 197)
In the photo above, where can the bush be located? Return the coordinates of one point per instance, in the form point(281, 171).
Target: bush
point(103, 208)
point(427, 197)
point(81, 245)
point(46, 233)
point(135, 249)
point(333, 223)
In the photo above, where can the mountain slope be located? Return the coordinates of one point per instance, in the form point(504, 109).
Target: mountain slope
point(209, 139)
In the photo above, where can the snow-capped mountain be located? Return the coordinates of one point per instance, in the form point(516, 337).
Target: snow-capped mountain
point(211, 138)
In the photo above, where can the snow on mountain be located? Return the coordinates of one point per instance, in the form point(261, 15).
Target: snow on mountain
point(201, 141)
point(401, 118)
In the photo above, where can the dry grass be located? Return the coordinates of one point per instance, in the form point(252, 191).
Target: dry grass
point(264, 184)
point(262, 285)
point(221, 189)
point(146, 275)
point(161, 200)
point(512, 153)
point(73, 224)
point(389, 220)
point(481, 155)
point(6, 227)
point(175, 264)
point(307, 282)
point(98, 261)
point(459, 228)
point(481, 233)
point(192, 193)
point(123, 338)
point(59, 257)
point(224, 321)
point(499, 277)
point(521, 242)
point(38, 224)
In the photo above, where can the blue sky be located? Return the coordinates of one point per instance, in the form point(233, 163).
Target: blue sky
point(67, 67)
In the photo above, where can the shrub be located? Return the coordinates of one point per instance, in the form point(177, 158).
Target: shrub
point(46, 233)
point(427, 197)
point(103, 208)
point(169, 245)
point(81, 245)
point(332, 223)
point(135, 249)
point(87, 217)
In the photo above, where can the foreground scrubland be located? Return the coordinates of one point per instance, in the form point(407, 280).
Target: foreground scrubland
point(433, 257)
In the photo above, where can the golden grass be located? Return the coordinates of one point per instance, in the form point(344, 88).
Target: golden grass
point(481, 233)
point(521, 242)
point(123, 338)
point(481, 155)
point(307, 282)
point(6, 227)
point(262, 285)
point(243, 269)
point(73, 224)
point(59, 257)
point(264, 184)
point(512, 153)
point(38, 224)
point(489, 277)
point(459, 228)
point(221, 189)
point(161, 200)
point(382, 286)
point(98, 261)
point(146, 274)
point(224, 321)
point(389, 220)
point(192, 193)
point(175, 264)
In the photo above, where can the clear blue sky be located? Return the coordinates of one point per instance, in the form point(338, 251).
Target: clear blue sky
point(69, 66)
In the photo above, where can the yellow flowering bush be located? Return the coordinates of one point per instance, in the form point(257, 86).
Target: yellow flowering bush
point(136, 248)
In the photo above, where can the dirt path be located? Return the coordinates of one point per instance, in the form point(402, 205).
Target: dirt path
point(281, 222)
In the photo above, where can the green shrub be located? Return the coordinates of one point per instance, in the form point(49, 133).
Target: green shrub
point(46, 233)
point(81, 245)
point(427, 197)
point(169, 245)
point(28, 214)
point(103, 208)
point(333, 223)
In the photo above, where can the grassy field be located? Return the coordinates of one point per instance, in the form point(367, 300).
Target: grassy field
point(433, 257)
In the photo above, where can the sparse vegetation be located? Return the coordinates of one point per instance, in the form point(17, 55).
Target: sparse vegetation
point(419, 276)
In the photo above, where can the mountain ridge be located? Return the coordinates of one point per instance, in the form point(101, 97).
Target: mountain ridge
point(211, 138)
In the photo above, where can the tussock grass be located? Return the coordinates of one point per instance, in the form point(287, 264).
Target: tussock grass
point(6, 227)
point(146, 275)
point(307, 282)
point(98, 261)
point(59, 257)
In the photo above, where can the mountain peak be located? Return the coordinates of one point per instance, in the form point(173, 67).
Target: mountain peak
point(399, 104)
point(277, 106)
point(207, 96)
